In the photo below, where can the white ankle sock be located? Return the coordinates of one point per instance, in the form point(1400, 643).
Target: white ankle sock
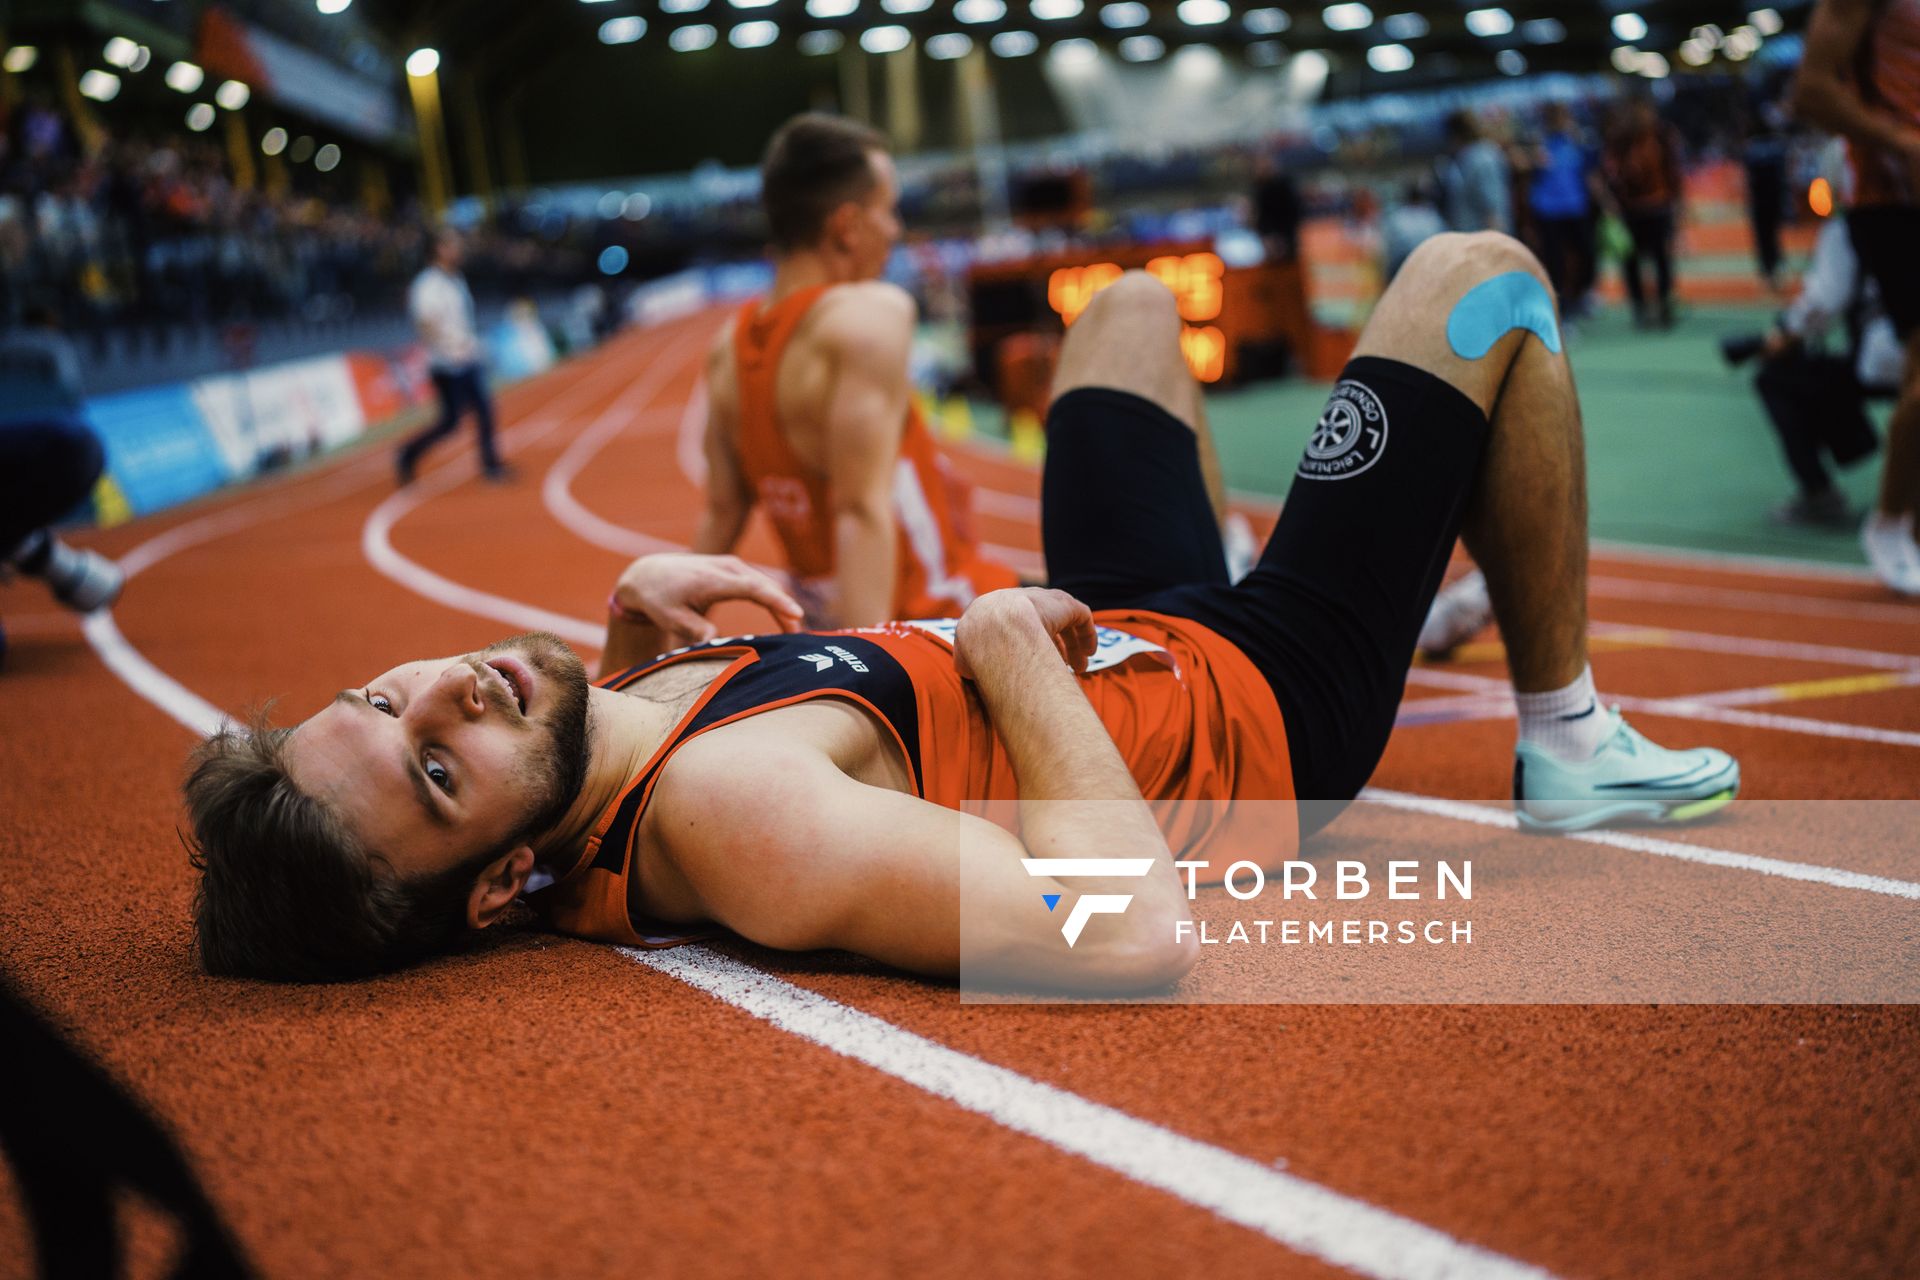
point(1569, 722)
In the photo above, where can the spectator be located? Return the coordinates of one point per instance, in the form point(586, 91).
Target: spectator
point(1404, 226)
point(1276, 209)
point(1562, 199)
point(1764, 156)
point(49, 461)
point(1816, 399)
point(1858, 80)
point(1473, 177)
point(442, 309)
point(1642, 166)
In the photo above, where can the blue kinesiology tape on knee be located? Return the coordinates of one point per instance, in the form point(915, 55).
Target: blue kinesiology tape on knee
point(1493, 308)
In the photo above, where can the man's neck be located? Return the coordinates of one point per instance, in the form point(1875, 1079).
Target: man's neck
point(623, 734)
point(805, 268)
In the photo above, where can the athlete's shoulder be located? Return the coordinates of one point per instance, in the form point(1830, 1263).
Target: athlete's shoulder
point(859, 310)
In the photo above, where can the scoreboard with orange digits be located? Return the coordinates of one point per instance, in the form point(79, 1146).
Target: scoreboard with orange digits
point(1233, 318)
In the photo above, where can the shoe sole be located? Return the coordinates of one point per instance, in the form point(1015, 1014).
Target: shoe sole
point(1650, 812)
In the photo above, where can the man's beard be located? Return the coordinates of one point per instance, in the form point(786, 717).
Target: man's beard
point(559, 760)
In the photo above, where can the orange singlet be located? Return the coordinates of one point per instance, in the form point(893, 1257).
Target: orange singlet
point(938, 569)
point(1194, 720)
point(1889, 80)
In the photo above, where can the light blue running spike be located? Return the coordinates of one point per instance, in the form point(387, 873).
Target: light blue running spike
point(1493, 308)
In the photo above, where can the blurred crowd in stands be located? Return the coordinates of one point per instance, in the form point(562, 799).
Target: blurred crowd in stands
point(114, 231)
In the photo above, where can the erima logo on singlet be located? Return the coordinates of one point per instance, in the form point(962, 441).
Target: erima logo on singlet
point(821, 661)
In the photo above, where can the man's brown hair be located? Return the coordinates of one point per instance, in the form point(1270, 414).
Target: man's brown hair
point(814, 164)
point(286, 892)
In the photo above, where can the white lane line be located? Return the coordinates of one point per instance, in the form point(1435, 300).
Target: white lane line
point(1302, 1215)
point(1499, 706)
point(690, 439)
point(1008, 506)
point(1760, 647)
point(376, 545)
point(1754, 601)
point(556, 487)
point(1811, 873)
point(1733, 562)
point(1018, 559)
point(133, 667)
point(147, 680)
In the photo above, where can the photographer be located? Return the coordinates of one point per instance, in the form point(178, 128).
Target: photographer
point(1817, 399)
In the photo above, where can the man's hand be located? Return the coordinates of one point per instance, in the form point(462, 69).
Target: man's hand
point(1066, 621)
point(673, 593)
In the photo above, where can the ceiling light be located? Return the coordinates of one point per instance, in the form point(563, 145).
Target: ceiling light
point(1511, 62)
point(1055, 10)
point(750, 4)
point(948, 45)
point(1766, 21)
point(980, 10)
point(1406, 26)
point(815, 43)
point(120, 52)
point(1696, 52)
point(273, 141)
point(1653, 66)
point(906, 6)
point(1543, 31)
point(20, 58)
point(331, 7)
point(1266, 22)
point(327, 158)
point(1489, 22)
point(1346, 17)
point(1128, 13)
point(754, 35)
point(422, 63)
point(1204, 13)
point(1142, 48)
point(885, 39)
point(1074, 55)
point(185, 77)
point(200, 117)
point(1014, 44)
point(1389, 57)
point(1629, 27)
point(622, 30)
point(682, 6)
point(692, 39)
point(101, 86)
point(1626, 59)
point(831, 8)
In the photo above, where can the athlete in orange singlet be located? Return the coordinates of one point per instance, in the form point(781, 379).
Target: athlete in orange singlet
point(810, 416)
point(823, 789)
point(1861, 78)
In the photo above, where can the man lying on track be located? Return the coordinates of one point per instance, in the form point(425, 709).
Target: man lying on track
point(807, 790)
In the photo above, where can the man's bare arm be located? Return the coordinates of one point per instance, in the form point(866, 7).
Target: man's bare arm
point(870, 334)
point(1824, 92)
point(773, 841)
point(660, 602)
point(729, 498)
point(1022, 647)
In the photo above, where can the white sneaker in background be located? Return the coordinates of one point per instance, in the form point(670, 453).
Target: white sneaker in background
point(1888, 542)
point(1243, 549)
point(1460, 612)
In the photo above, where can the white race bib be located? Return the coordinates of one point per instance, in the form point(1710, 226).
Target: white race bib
point(1115, 646)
